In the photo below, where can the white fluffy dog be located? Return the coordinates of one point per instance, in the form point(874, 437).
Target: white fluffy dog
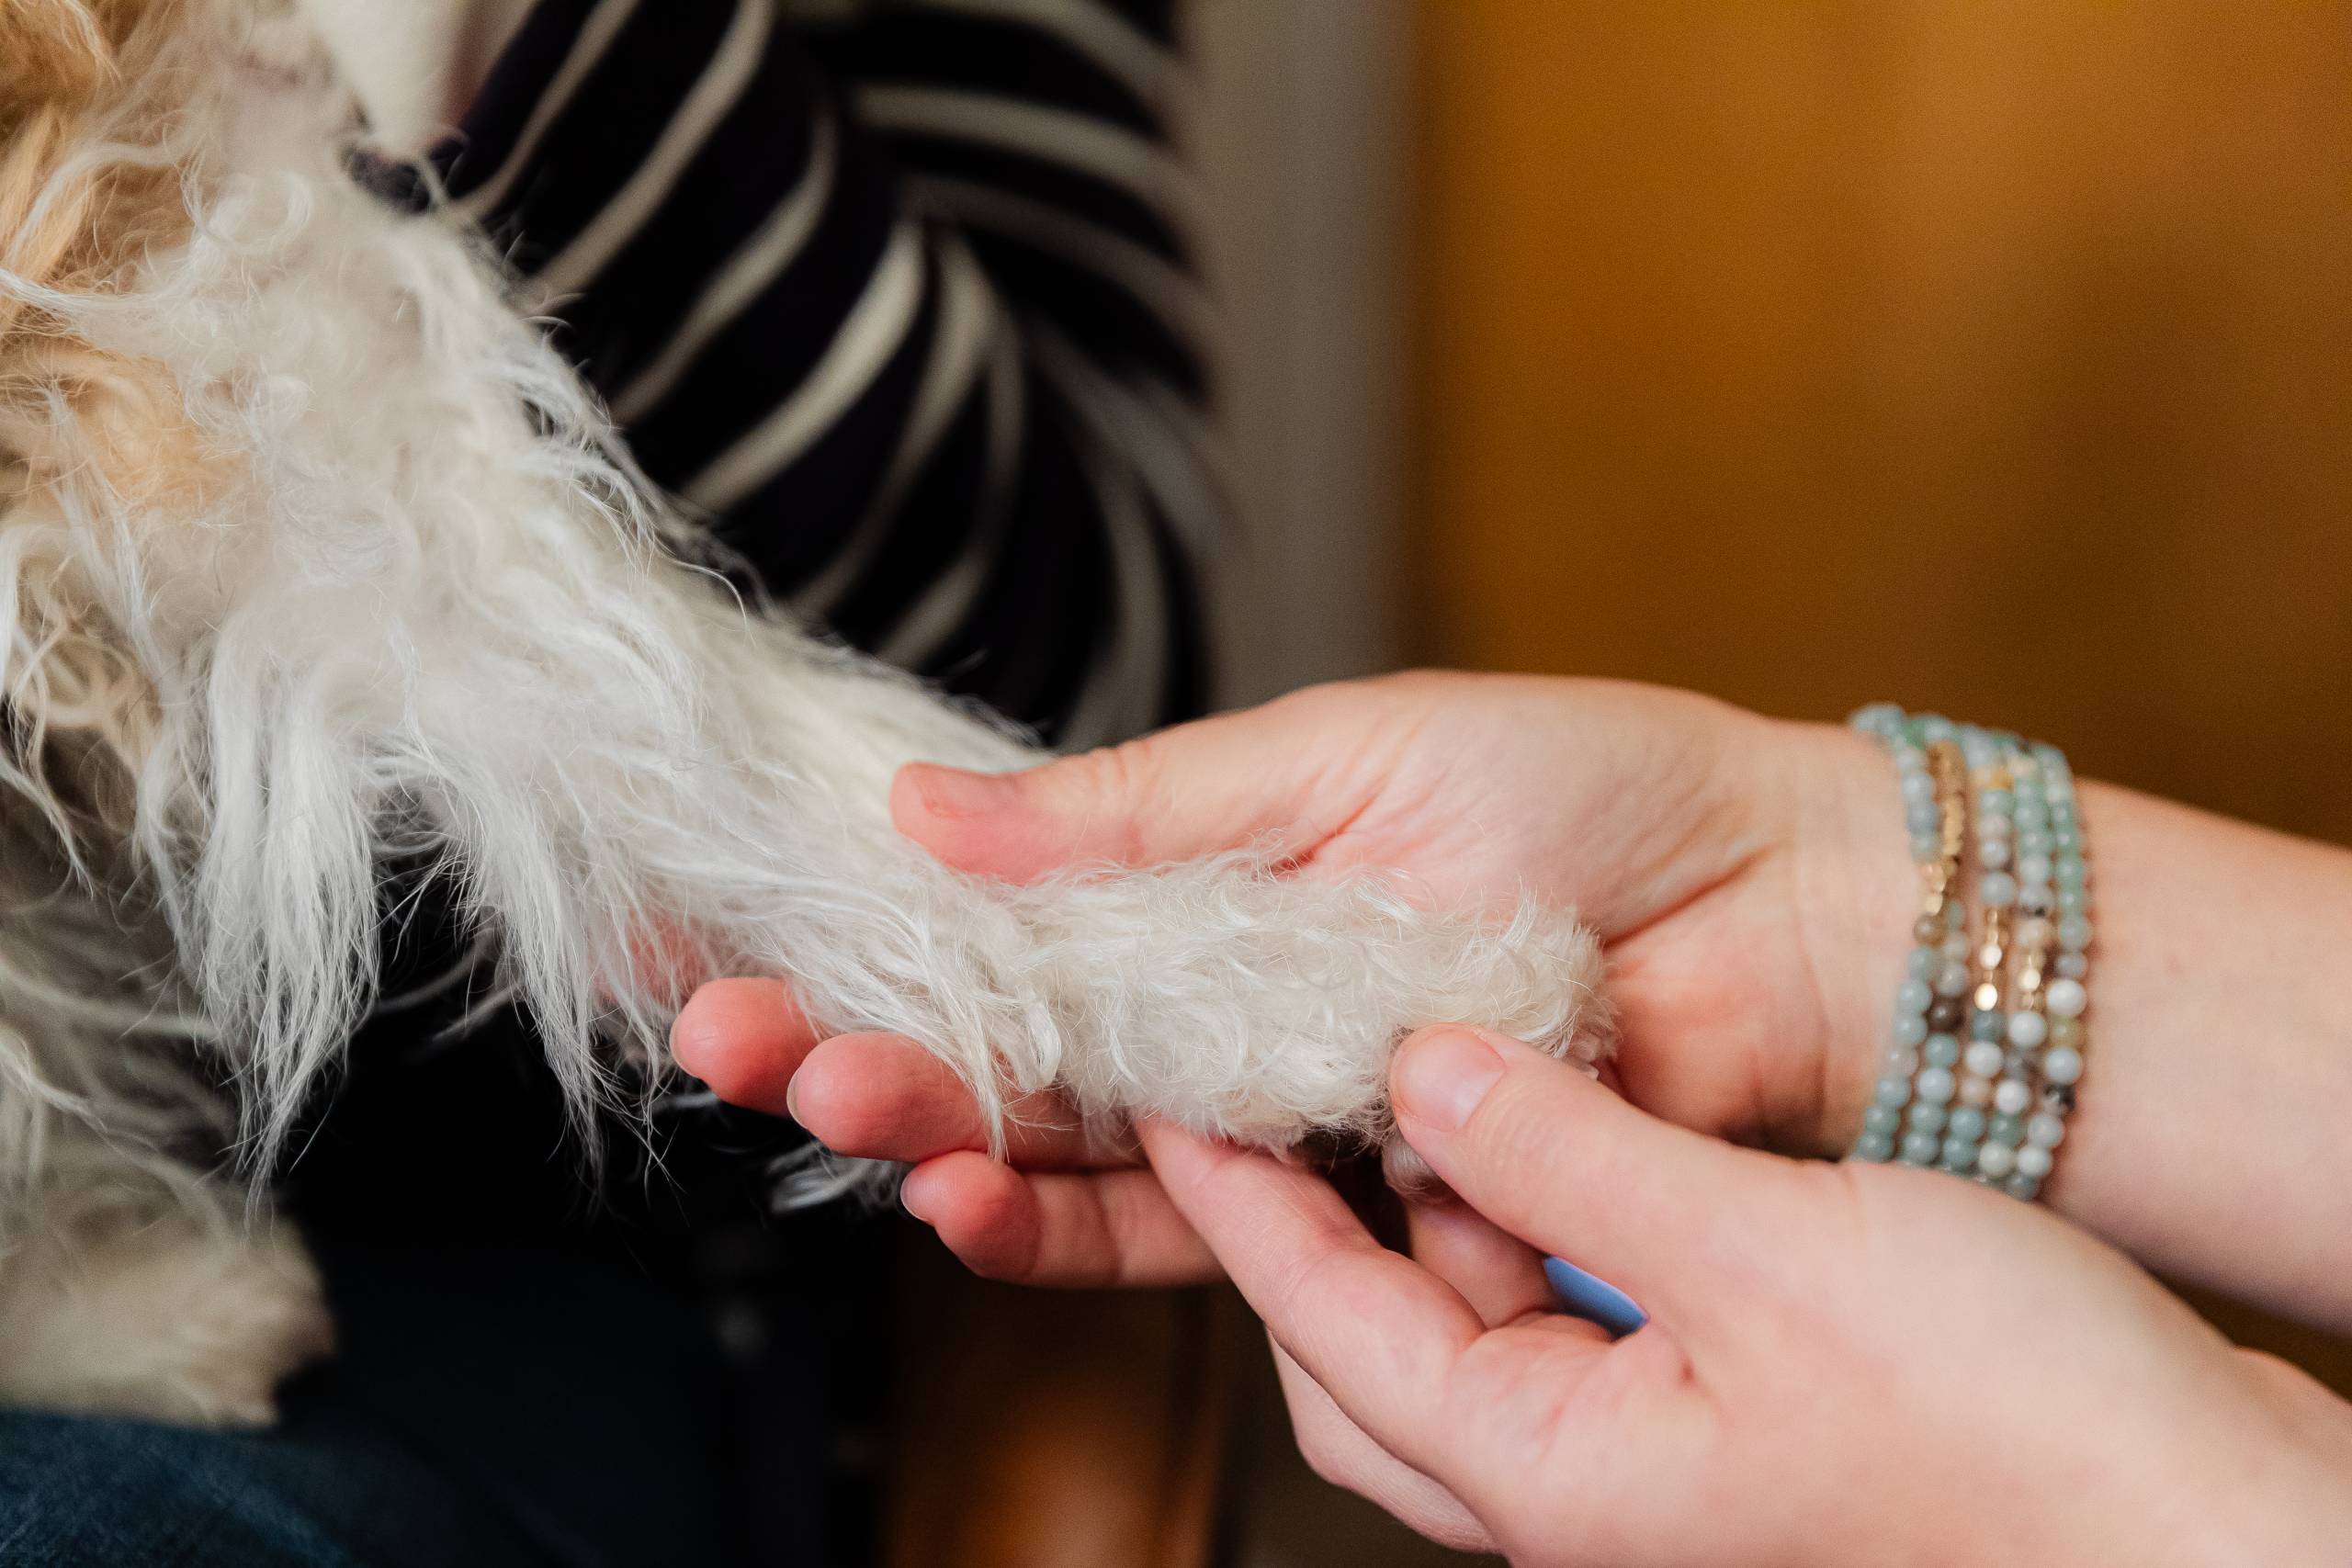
point(315, 559)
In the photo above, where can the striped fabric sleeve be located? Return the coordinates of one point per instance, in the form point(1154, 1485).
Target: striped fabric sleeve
point(897, 295)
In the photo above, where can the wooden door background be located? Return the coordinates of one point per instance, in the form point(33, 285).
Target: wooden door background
point(1992, 355)
point(1989, 354)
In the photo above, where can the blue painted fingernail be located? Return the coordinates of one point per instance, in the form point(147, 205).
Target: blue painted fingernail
point(1592, 1298)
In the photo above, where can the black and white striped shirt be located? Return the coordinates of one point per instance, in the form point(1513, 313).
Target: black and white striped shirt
point(897, 295)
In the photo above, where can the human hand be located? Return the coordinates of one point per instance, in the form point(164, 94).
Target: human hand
point(1844, 1364)
point(1063, 1208)
point(1715, 851)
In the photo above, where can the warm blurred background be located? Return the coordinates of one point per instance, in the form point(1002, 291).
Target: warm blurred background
point(1992, 356)
point(1995, 356)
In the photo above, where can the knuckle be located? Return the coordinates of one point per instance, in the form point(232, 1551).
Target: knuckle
point(1519, 1127)
point(1115, 772)
point(1116, 781)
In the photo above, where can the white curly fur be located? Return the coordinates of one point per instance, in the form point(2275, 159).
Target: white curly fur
point(417, 603)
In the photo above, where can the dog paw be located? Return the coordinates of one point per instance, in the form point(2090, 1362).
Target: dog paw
point(195, 1321)
point(1407, 1174)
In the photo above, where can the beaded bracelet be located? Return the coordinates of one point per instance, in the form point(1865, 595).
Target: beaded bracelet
point(1915, 1071)
point(1972, 1108)
point(1982, 1056)
point(2054, 894)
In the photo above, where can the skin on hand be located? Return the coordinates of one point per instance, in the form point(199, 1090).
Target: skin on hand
point(1750, 881)
point(1672, 823)
point(1063, 1211)
point(1885, 1362)
point(1851, 1364)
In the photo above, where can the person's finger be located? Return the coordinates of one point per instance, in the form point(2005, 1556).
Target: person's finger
point(1108, 1229)
point(1216, 784)
point(1338, 1449)
point(1381, 1335)
point(881, 1097)
point(1557, 1160)
point(1500, 1276)
point(745, 1039)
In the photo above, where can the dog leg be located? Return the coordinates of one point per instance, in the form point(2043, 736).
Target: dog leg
point(421, 607)
point(124, 1295)
point(131, 1282)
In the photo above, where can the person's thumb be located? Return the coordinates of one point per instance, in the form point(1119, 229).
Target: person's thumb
point(1556, 1159)
point(1217, 785)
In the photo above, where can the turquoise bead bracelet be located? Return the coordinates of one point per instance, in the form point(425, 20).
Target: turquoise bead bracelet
point(1978, 1075)
point(1904, 1119)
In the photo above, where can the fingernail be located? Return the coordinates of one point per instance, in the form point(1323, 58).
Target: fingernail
point(908, 1199)
point(792, 1098)
point(1440, 1078)
point(955, 793)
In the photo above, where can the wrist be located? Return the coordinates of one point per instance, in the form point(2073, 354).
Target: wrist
point(1854, 896)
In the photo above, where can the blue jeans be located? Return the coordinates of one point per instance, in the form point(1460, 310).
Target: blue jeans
point(546, 1403)
point(490, 1403)
point(525, 1373)
point(77, 1492)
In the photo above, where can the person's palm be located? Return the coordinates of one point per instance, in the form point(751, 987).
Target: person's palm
point(1712, 850)
point(1691, 836)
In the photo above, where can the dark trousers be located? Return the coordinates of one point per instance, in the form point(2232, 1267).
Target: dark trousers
point(656, 1378)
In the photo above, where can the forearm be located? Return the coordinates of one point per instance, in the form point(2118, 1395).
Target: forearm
point(2209, 1139)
